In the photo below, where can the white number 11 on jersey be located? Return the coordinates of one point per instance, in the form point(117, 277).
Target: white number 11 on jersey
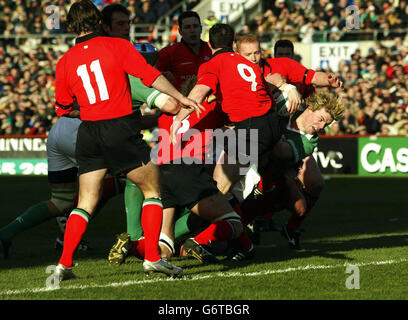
point(95, 67)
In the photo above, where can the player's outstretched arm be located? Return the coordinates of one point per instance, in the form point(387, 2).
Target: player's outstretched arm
point(322, 79)
point(163, 85)
point(167, 104)
point(198, 94)
point(294, 97)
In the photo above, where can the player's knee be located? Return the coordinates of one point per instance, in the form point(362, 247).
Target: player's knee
point(58, 207)
point(61, 202)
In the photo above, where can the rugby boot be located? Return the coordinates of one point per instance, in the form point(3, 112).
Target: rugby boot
point(64, 273)
point(193, 249)
point(119, 252)
point(162, 266)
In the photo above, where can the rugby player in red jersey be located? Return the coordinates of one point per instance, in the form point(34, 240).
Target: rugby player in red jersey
point(239, 85)
point(94, 74)
point(244, 95)
point(181, 60)
point(241, 89)
point(305, 81)
point(292, 72)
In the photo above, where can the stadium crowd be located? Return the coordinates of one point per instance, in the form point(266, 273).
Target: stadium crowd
point(376, 85)
point(324, 20)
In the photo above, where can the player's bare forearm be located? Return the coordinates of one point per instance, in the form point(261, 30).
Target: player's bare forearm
point(199, 92)
point(163, 85)
point(276, 80)
point(171, 106)
point(182, 114)
point(322, 79)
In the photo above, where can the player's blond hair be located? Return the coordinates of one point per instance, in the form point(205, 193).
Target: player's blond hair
point(329, 101)
point(246, 38)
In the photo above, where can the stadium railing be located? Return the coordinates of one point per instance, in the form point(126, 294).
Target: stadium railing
point(161, 31)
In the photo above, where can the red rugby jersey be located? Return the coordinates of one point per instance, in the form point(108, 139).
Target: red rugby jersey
point(294, 73)
point(181, 61)
point(95, 74)
point(239, 84)
point(198, 145)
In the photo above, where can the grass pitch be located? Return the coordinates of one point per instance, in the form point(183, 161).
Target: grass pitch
point(358, 222)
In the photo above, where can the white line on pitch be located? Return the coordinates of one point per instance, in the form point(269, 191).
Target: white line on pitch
point(194, 278)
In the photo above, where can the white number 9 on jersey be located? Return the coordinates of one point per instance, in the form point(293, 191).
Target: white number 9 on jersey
point(250, 78)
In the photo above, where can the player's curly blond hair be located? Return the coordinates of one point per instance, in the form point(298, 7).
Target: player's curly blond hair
point(329, 101)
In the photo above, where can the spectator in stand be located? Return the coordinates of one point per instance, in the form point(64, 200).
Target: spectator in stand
point(161, 7)
point(20, 125)
point(27, 89)
point(146, 12)
point(208, 23)
point(348, 124)
point(244, 30)
point(278, 7)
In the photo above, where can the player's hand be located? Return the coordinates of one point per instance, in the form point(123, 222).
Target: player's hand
point(294, 99)
point(173, 131)
point(334, 81)
point(192, 105)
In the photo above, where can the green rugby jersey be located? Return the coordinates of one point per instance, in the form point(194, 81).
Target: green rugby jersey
point(141, 94)
point(303, 144)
